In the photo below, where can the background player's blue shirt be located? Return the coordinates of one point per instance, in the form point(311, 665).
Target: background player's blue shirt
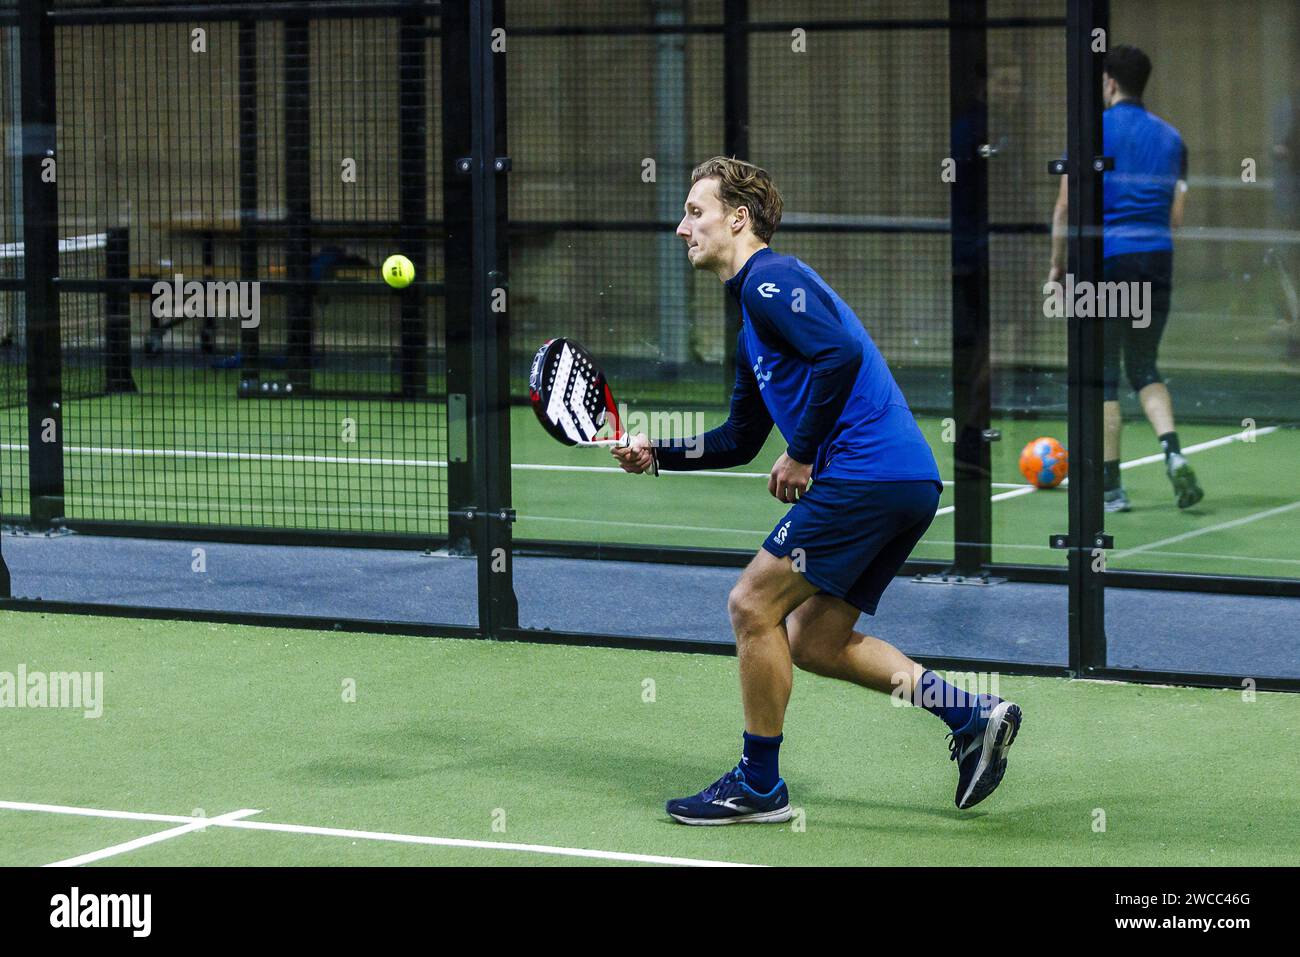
point(1150, 157)
point(805, 362)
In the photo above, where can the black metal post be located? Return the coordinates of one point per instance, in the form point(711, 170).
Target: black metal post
point(297, 191)
point(117, 315)
point(971, 398)
point(41, 263)
point(6, 586)
point(490, 403)
point(735, 142)
point(413, 213)
point(1087, 596)
point(250, 337)
point(458, 263)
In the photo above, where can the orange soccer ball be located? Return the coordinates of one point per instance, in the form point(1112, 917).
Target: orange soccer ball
point(1044, 462)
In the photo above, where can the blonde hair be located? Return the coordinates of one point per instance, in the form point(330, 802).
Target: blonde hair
point(744, 184)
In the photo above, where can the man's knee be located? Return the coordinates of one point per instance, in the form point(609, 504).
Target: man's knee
point(1143, 375)
point(814, 649)
point(748, 613)
point(806, 653)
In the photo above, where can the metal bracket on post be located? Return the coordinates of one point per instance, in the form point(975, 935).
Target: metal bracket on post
point(1102, 164)
point(465, 165)
point(1057, 168)
point(991, 435)
point(473, 513)
point(952, 577)
point(1100, 540)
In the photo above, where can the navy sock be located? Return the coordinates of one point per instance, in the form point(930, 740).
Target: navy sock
point(760, 762)
point(1110, 475)
point(1169, 442)
point(951, 705)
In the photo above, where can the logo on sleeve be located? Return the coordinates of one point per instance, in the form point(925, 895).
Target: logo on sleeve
point(760, 375)
point(767, 289)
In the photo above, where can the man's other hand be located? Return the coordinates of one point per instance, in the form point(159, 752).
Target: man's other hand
point(789, 479)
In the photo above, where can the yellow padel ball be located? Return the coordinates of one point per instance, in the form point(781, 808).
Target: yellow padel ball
point(398, 271)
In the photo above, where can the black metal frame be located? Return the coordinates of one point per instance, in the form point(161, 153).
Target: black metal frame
point(41, 248)
point(1087, 620)
point(477, 229)
point(972, 405)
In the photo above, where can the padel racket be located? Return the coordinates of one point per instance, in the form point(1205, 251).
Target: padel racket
point(572, 399)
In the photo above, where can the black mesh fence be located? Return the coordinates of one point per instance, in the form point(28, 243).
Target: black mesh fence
point(847, 105)
point(258, 374)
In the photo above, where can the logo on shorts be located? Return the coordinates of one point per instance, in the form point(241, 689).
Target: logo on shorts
point(780, 533)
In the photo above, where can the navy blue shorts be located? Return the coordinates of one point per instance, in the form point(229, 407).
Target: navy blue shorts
point(854, 536)
point(1139, 346)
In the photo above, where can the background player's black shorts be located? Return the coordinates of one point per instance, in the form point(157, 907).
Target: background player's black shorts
point(1138, 346)
point(854, 536)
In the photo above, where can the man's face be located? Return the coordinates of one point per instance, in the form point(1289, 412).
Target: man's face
point(1109, 89)
point(706, 227)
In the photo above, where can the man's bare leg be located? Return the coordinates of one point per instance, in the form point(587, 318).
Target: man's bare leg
point(1159, 408)
point(1114, 496)
point(767, 592)
point(1113, 425)
point(822, 640)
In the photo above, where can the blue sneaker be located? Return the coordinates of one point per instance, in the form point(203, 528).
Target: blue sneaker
point(729, 800)
point(980, 749)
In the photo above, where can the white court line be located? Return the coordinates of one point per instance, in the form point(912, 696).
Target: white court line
point(226, 821)
point(197, 824)
point(96, 812)
point(1013, 490)
point(402, 463)
point(666, 528)
point(703, 473)
point(239, 456)
point(483, 845)
point(441, 463)
point(1205, 531)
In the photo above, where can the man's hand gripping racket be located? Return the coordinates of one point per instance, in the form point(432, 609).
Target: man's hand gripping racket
point(572, 399)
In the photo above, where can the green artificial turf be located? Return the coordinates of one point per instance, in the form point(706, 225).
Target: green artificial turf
point(445, 737)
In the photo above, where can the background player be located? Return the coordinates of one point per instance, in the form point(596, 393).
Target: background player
point(805, 362)
point(1143, 202)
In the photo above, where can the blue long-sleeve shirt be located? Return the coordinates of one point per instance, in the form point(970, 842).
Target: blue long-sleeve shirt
point(805, 363)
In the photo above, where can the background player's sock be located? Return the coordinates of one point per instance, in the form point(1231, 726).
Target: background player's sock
point(948, 703)
point(1110, 475)
point(1169, 442)
point(761, 763)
